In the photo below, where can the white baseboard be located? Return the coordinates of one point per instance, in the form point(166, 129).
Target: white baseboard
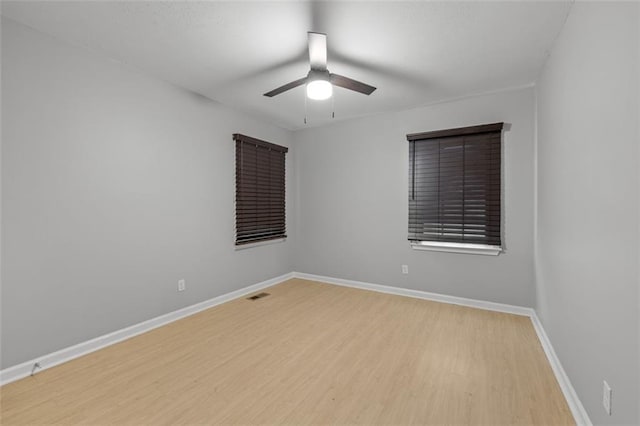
point(577, 409)
point(22, 370)
point(419, 294)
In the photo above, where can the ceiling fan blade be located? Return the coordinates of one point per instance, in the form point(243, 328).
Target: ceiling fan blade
point(317, 51)
point(351, 84)
point(288, 86)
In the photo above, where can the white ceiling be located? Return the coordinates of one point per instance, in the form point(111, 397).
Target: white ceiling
point(232, 52)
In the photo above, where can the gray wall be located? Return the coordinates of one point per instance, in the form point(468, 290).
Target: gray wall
point(114, 186)
point(587, 243)
point(352, 202)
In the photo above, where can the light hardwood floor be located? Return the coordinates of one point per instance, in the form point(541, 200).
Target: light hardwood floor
point(308, 353)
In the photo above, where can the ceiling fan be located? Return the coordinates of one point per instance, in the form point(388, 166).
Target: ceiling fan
point(319, 80)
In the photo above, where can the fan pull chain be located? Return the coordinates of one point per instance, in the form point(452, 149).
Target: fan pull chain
point(305, 108)
point(333, 106)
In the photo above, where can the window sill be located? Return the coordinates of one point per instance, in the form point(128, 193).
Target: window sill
point(260, 243)
point(457, 248)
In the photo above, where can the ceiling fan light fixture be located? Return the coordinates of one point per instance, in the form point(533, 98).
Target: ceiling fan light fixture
point(320, 81)
point(319, 90)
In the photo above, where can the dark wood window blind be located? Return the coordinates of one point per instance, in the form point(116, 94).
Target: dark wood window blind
point(455, 185)
point(260, 190)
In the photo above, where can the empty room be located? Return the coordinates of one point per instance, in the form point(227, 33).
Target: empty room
point(330, 212)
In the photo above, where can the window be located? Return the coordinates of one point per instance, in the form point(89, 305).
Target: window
point(260, 190)
point(455, 189)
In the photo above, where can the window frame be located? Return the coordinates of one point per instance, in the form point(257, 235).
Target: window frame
point(258, 184)
point(458, 246)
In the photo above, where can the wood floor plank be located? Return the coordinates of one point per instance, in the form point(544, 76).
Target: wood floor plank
point(310, 353)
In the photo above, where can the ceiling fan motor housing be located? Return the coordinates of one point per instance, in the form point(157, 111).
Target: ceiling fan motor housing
point(318, 75)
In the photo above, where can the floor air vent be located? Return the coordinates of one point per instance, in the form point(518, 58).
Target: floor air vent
point(258, 296)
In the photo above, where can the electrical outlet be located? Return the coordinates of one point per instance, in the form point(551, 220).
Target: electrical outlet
point(182, 285)
point(405, 269)
point(606, 397)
